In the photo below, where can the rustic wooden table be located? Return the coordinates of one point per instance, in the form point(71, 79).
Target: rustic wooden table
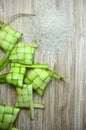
point(65, 106)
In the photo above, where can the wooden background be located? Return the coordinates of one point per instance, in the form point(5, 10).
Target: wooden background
point(65, 106)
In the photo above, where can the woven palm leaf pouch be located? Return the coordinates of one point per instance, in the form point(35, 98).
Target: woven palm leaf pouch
point(39, 78)
point(8, 115)
point(24, 99)
point(23, 53)
point(8, 37)
point(16, 74)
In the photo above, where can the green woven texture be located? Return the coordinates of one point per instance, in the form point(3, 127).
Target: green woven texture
point(23, 53)
point(39, 78)
point(14, 129)
point(16, 74)
point(8, 37)
point(8, 116)
point(24, 98)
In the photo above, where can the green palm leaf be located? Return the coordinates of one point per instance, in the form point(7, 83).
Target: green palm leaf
point(24, 99)
point(8, 115)
point(8, 37)
point(39, 78)
point(23, 53)
point(16, 74)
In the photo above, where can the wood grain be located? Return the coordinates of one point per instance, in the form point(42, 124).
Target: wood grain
point(65, 105)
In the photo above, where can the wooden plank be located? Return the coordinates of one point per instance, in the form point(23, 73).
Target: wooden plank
point(65, 107)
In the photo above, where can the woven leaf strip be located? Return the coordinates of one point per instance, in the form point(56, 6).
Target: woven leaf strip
point(23, 53)
point(16, 74)
point(39, 78)
point(8, 37)
point(8, 116)
point(24, 98)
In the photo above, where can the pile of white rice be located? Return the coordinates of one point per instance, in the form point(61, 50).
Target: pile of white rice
point(50, 27)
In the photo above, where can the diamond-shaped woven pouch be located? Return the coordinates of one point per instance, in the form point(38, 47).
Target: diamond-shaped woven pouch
point(8, 37)
point(24, 98)
point(8, 115)
point(39, 78)
point(23, 53)
point(16, 74)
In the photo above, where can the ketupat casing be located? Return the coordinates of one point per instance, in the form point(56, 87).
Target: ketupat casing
point(8, 37)
point(39, 78)
point(24, 98)
point(8, 115)
point(16, 74)
point(23, 53)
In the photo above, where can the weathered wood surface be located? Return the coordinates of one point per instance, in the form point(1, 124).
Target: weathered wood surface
point(65, 107)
